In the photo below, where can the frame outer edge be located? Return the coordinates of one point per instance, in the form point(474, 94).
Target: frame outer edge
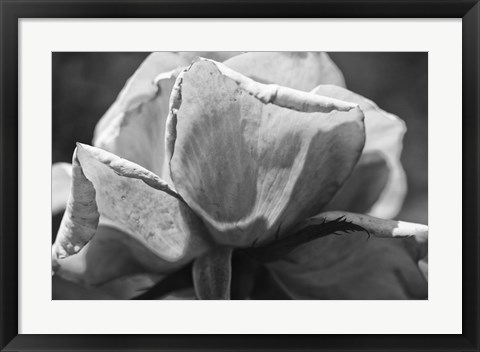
point(10, 12)
point(9, 174)
point(471, 148)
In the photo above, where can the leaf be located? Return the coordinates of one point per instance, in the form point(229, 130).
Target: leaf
point(252, 158)
point(212, 274)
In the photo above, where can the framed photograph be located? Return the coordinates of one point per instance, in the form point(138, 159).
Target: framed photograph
point(267, 176)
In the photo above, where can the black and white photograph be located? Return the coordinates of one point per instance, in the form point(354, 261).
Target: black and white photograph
point(239, 175)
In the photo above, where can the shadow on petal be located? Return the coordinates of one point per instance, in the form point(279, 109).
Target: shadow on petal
point(66, 290)
point(384, 138)
point(109, 255)
point(349, 267)
point(61, 184)
point(364, 186)
point(118, 289)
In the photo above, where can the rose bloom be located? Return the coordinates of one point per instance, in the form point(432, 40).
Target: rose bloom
point(261, 177)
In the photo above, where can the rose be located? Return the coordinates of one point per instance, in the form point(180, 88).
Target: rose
point(251, 163)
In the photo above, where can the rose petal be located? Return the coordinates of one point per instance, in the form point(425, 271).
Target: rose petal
point(66, 290)
point(301, 70)
point(130, 286)
point(384, 135)
point(388, 265)
point(351, 267)
point(251, 159)
point(423, 266)
point(136, 201)
point(121, 288)
point(81, 216)
point(213, 55)
point(364, 186)
point(381, 228)
point(187, 294)
point(134, 126)
point(109, 255)
point(61, 181)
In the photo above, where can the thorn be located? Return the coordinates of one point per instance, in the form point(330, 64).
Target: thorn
point(277, 234)
point(368, 234)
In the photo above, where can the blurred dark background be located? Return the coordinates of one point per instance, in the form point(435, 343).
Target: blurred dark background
point(86, 84)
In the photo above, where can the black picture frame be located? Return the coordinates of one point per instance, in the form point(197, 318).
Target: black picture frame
point(13, 10)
